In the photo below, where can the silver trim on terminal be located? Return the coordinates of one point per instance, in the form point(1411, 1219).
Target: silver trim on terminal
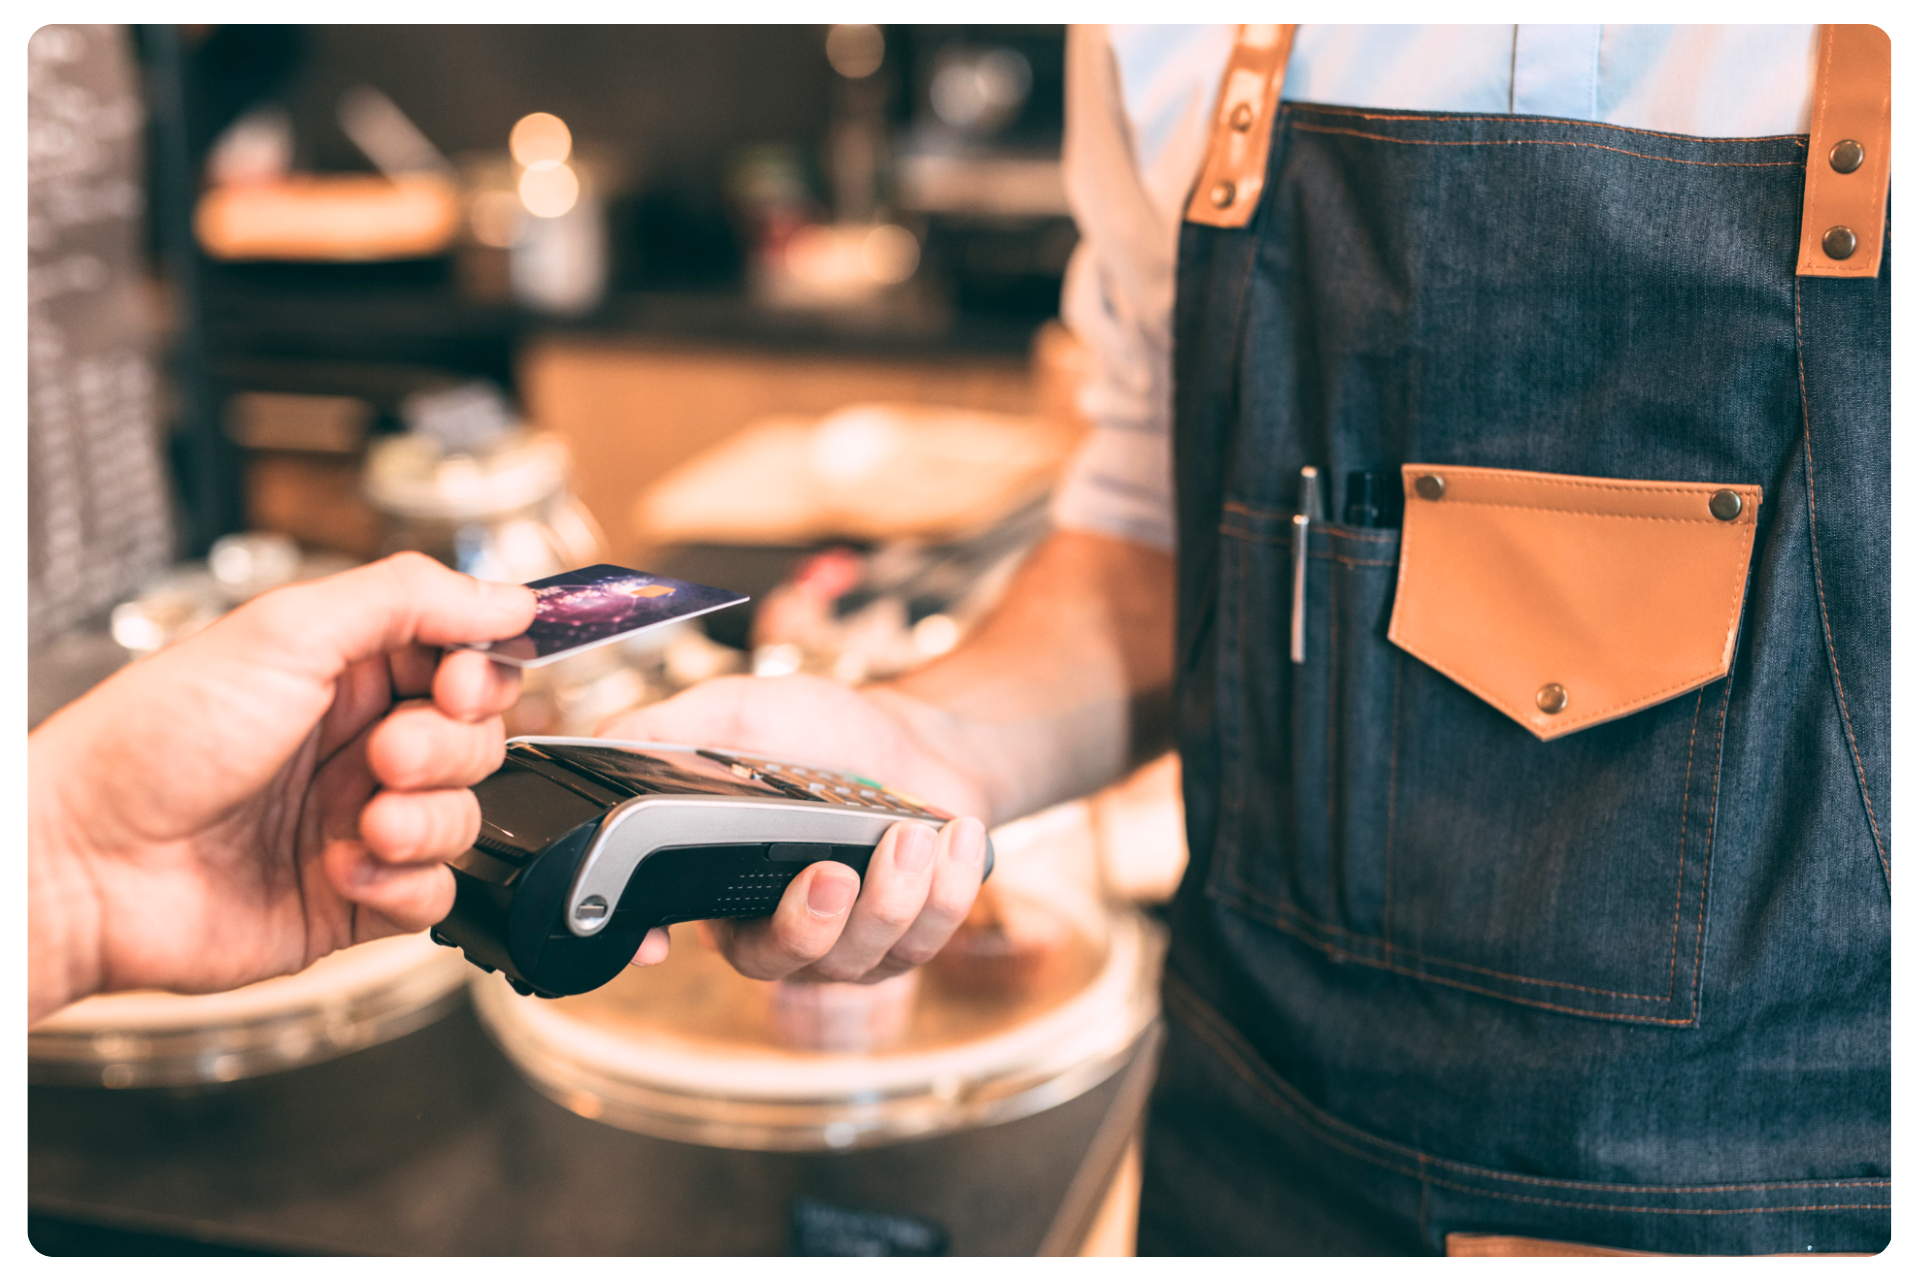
point(635, 829)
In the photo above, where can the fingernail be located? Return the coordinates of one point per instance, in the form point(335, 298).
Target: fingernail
point(831, 894)
point(640, 959)
point(968, 842)
point(913, 848)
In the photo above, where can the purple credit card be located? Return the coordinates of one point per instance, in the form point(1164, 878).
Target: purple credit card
point(597, 605)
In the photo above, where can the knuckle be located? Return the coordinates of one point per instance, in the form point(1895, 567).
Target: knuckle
point(383, 827)
point(752, 967)
point(792, 949)
point(950, 907)
point(278, 617)
point(894, 916)
point(837, 970)
point(459, 823)
point(396, 759)
point(953, 893)
point(412, 567)
point(910, 955)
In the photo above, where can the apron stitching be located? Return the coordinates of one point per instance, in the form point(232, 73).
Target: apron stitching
point(1708, 521)
point(1307, 919)
point(1336, 848)
point(1210, 1026)
point(1825, 81)
point(1582, 482)
point(1588, 1011)
point(1659, 1209)
point(1393, 795)
point(1238, 797)
point(1235, 770)
point(1266, 540)
point(1706, 865)
point(1328, 528)
point(1680, 881)
point(1551, 142)
point(1799, 139)
point(1531, 480)
point(1826, 626)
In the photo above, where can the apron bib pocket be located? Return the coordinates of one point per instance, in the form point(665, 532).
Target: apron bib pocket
point(1566, 601)
point(1382, 803)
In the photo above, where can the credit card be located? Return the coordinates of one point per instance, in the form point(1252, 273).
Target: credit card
point(599, 605)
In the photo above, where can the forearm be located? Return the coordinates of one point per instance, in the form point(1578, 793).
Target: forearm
point(1063, 687)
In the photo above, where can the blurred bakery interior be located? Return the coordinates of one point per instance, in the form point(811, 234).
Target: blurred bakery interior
point(769, 308)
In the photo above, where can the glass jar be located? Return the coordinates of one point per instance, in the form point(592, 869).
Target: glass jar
point(500, 510)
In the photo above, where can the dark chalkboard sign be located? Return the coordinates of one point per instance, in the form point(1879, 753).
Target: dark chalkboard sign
point(97, 505)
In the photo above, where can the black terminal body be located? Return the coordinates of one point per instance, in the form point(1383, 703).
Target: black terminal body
point(586, 844)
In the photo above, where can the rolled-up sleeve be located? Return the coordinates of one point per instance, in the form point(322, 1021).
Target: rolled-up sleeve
point(1138, 102)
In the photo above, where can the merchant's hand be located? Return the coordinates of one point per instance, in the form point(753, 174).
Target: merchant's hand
point(285, 783)
point(829, 925)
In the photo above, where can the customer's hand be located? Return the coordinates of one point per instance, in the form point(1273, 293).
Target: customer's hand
point(287, 782)
point(830, 925)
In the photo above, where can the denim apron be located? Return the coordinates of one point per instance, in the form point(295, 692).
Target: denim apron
point(1429, 974)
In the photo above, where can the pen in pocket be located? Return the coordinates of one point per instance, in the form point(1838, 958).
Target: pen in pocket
point(1308, 513)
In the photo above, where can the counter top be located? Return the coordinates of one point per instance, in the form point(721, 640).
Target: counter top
point(434, 1144)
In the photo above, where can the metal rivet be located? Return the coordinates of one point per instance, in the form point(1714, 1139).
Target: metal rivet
point(1838, 242)
point(1430, 487)
point(1221, 195)
point(1242, 120)
point(1725, 504)
point(1846, 156)
point(1551, 699)
point(592, 908)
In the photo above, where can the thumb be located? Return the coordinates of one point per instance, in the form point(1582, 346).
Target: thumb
point(403, 600)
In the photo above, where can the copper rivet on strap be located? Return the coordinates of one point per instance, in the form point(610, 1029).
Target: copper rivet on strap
point(1725, 504)
point(1430, 487)
point(1551, 699)
point(1221, 195)
point(1242, 120)
point(1838, 243)
point(1846, 156)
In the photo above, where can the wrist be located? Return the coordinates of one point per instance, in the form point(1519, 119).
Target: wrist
point(63, 911)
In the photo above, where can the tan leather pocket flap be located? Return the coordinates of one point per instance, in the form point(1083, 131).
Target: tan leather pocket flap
point(1566, 601)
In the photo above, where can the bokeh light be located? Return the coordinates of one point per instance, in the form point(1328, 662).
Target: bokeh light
point(548, 193)
point(855, 49)
point(889, 254)
point(540, 141)
point(979, 90)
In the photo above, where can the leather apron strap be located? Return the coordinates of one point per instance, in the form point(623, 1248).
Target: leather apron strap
point(1235, 171)
point(1844, 220)
point(1842, 224)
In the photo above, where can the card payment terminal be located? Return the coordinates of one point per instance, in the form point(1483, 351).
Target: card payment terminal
point(587, 843)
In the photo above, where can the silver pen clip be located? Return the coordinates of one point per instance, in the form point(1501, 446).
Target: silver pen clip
point(1303, 519)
